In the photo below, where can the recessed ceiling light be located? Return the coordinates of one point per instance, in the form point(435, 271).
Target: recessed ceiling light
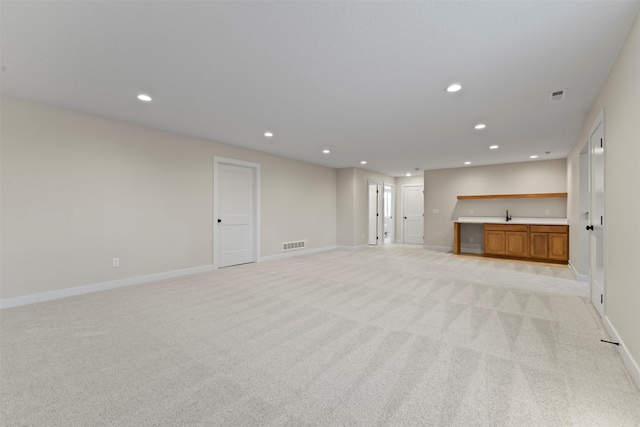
point(268, 134)
point(467, 163)
point(533, 157)
point(325, 151)
point(408, 174)
point(480, 126)
point(144, 97)
point(454, 87)
point(364, 162)
point(493, 147)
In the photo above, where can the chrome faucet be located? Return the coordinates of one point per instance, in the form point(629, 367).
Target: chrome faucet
point(508, 217)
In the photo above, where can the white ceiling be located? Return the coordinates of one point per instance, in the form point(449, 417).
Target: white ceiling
point(363, 79)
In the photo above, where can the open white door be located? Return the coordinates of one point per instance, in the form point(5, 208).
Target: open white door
point(596, 215)
point(373, 214)
point(413, 214)
point(235, 212)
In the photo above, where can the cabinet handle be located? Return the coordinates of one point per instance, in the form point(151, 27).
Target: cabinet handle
point(589, 227)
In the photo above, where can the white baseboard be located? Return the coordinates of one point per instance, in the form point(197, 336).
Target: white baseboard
point(439, 248)
point(96, 287)
point(627, 359)
point(579, 277)
point(353, 248)
point(398, 240)
point(295, 253)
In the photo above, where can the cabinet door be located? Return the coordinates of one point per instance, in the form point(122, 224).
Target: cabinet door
point(558, 246)
point(494, 242)
point(517, 243)
point(539, 245)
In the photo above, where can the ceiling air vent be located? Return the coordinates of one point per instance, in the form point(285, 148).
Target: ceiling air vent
point(557, 95)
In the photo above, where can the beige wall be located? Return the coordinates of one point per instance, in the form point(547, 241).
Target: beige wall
point(442, 187)
point(345, 206)
point(620, 99)
point(353, 206)
point(79, 190)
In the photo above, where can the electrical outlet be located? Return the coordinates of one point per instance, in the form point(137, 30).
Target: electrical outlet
point(471, 211)
point(470, 239)
point(547, 211)
point(436, 211)
point(115, 262)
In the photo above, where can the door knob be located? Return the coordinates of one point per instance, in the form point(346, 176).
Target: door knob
point(219, 220)
point(589, 227)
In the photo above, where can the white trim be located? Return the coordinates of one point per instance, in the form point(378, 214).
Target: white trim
point(296, 253)
point(256, 233)
point(379, 203)
point(627, 359)
point(439, 248)
point(579, 277)
point(97, 287)
point(353, 248)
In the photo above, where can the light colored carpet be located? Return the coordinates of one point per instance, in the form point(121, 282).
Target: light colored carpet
point(392, 336)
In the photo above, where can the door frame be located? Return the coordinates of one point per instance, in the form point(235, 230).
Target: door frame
point(379, 202)
point(599, 121)
point(217, 161)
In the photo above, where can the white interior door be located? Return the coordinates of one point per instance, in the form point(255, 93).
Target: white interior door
point(235, 209)
point(373, 214)
point(596, 215)
point(413, 214)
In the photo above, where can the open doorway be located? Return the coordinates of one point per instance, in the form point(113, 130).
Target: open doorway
point(389, 208)
point(373, 214)
point(581, 267)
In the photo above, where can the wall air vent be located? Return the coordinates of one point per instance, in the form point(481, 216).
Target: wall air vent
point(557, 95)
point(289, 246)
